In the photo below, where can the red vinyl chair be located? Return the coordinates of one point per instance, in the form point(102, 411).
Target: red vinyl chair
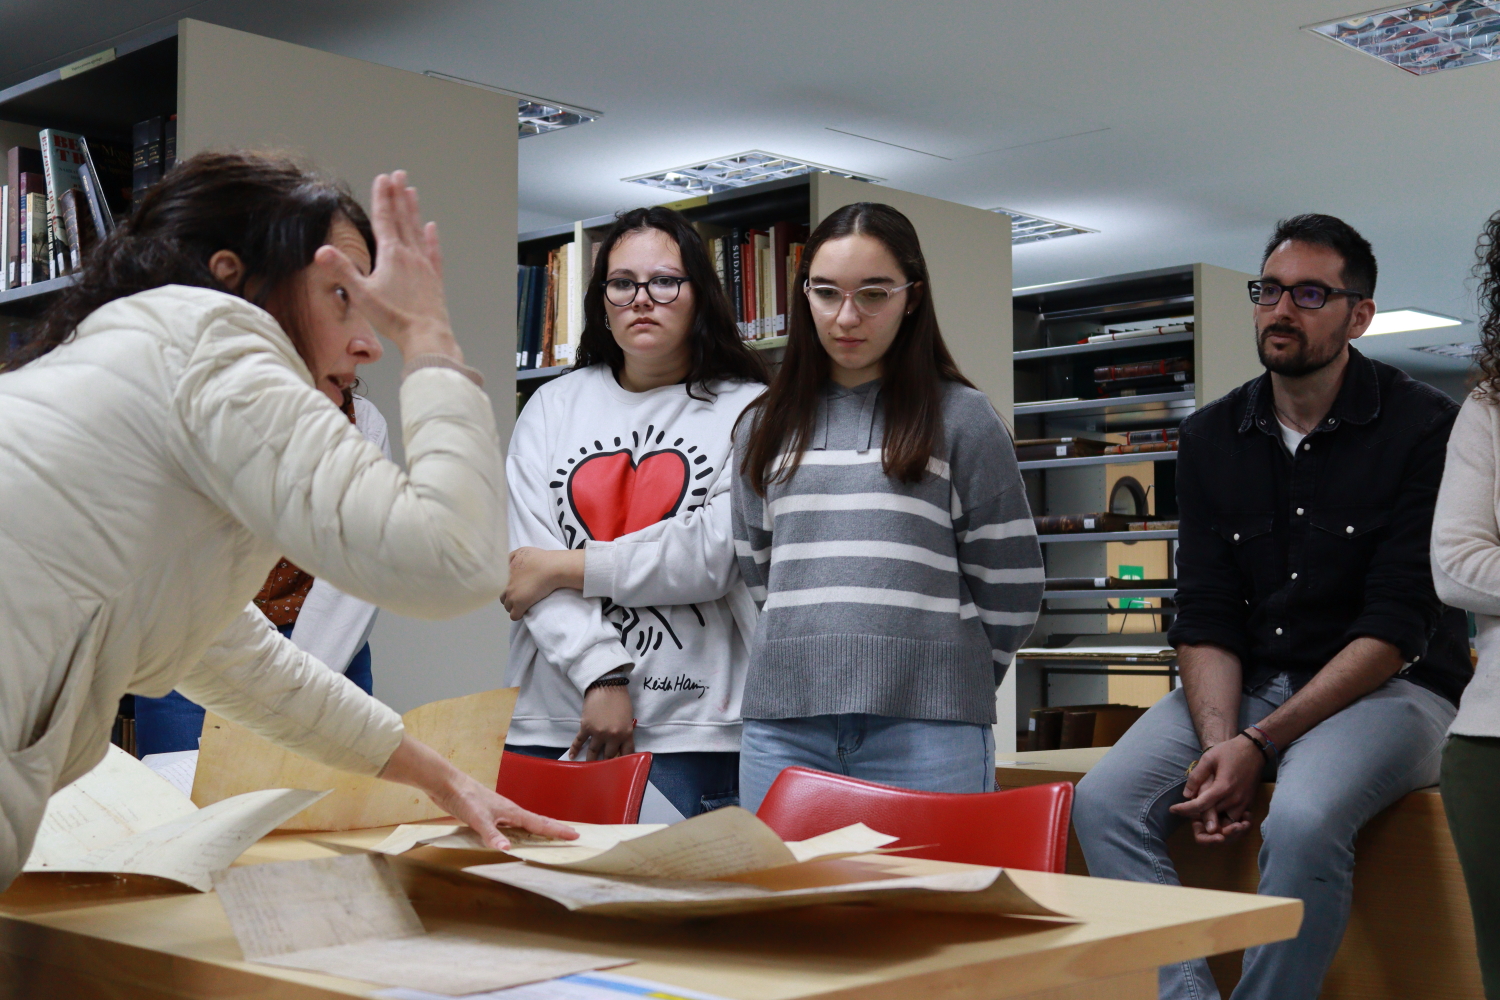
point(1018, 828)
point(577, 791)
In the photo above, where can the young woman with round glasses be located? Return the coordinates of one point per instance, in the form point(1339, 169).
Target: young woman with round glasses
point(882, 525)
point(633, 625)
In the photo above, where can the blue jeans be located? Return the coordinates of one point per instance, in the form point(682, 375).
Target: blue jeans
point(165, 725)
point(1329, 783)
point(694, 781)
point(923, 754)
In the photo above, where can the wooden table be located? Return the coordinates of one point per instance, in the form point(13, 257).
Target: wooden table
point(77, 938)
point(1411, 933)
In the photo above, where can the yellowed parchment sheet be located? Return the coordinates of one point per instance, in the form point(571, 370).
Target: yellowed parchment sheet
point(469, 731)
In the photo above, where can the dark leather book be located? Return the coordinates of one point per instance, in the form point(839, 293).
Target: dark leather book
point(1077, 730)
point(1065, 524)
point(1046, 728)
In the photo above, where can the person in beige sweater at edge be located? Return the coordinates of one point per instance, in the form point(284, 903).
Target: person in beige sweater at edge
point(1466, 572)
point(163, 442)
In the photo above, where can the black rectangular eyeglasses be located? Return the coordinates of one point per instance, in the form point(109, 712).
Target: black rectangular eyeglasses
point(1268, 293)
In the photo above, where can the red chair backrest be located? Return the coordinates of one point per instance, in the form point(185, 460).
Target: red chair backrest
point(577, 791)
point(1017, 828)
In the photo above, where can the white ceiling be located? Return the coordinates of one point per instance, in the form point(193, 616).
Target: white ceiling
point(1180, 129)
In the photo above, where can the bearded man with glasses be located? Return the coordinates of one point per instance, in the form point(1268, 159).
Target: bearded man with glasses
point(1313, 649)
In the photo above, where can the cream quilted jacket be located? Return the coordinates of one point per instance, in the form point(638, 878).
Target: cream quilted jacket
point(152, 471)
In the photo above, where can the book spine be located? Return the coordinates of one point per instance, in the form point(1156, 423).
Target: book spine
point(578, 277)
point(36, 250)
point(780, 244)
point(98, 200)
point(1140, 369)
point(56, 265)
point(145, 155)
point(747, 269)
point(1140, 449)
point(736, 277)
point(521, 317)
point(1150, 437)
point(5, 236)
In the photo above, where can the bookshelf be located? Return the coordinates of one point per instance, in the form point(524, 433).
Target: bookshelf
point(1057, 396)
point(967, 249)
point(353, 120)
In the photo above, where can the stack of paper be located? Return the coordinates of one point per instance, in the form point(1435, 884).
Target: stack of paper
point(726, 862)
point(349, 917)
point(122, 818)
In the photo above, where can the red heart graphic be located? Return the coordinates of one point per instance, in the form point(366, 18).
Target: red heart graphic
point(613, 496)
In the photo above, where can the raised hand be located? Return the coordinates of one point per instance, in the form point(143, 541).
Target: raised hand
point(403, 297)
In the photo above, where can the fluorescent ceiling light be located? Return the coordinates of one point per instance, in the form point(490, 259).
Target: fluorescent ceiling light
point(534, 115)
point(1033, 229)
point(1459, 352)
point(1423, 38)
point(1403, 320)
point(737, 171)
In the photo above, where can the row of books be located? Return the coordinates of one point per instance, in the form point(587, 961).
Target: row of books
point(549, 306)
point(1128, 379)
point(1077, 726)
point(60, 199)
point(1072, 524)
point(1143, 441)
point(1139, 333)
point(1105, 583)
point(758, 269)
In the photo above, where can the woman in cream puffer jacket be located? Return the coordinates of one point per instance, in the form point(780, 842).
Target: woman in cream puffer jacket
point(154, 468)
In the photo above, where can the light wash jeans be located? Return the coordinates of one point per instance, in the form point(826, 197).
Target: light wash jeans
point(1330, 783)
point(924, 754)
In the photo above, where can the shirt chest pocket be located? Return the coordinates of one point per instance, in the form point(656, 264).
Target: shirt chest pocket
point(1240, 528)
point(1351, 523)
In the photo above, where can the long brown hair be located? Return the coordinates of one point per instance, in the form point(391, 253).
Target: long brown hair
point(913, 369)
point(271, 212)
point(718, 350)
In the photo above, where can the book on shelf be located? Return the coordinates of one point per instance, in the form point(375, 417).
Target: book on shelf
point(758, 268)
point(109, 164)
point(4, 237)
point(62, 158)
point(1110, 336)
point(20, 161)
point(1104, 583)
point(1076, 726)
point(1034, 449)
point(1141, 369)
point(35, 250)
point(1153, 526)
point(1165, 435)
point(1148, 447)
point(1065, 524)
point(146, 141)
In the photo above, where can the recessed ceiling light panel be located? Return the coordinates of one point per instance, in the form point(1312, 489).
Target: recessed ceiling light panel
point(534, 116)
point(1459, 352)
point(737, 171)
point(1423, 38)
point(1405, 320)
point(1033, 229)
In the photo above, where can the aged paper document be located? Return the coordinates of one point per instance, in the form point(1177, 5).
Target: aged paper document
point(593, 838)
point(118, 798)
point(348, 916)
point(469, 731)
point(120, 818)
point(908, 883)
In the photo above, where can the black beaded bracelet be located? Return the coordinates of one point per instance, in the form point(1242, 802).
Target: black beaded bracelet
point(1264, 752)
point(609, 681)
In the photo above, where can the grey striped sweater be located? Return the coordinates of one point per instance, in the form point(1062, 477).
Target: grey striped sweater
point(893, 599)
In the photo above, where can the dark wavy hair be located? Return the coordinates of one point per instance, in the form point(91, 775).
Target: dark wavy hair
point(913, 369)
point(1487, 270)
point(718, 350)
point(271, 212)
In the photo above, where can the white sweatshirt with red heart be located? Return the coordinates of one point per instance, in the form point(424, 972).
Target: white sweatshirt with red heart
point(642, 481)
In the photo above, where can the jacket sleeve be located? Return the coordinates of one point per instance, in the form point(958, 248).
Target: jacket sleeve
point(1401, 607)
point(750, 520)
point(998, 553)
point(570, 630)
point(273, 452)
point(254, 676)
point(1210, 594)
point(1465, 536)
point(681, 560)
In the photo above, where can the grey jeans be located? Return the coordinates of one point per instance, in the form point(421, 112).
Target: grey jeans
point(1330, 782)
